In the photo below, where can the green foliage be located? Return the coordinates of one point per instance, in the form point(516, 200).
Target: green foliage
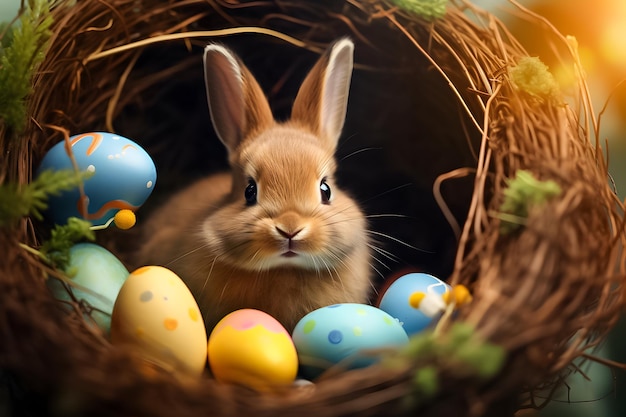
point(32, 199)
point(462, 348)
point(21, 52)
point(427, 9)
point(426, 381)
point(460, 351)
point(533, 77)
point(523, 193)
point(484, 359)
point(56, 250)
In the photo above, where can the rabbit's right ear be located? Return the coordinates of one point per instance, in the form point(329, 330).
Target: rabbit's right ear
point(237, 104)
point(322, 100)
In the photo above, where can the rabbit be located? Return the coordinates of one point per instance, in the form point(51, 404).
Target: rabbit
point(275, 233)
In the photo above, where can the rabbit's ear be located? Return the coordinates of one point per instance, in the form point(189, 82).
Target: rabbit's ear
point(322, 100)
point(236, 102)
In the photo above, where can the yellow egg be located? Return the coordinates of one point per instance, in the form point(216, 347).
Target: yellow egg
point(156, 315)
point(249, 347)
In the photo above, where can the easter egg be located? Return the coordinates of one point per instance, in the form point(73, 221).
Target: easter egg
point(156, 315)
point(123, 176)
point(416, 300)
point(98, 276)
point(251, 348)
point(344, 332)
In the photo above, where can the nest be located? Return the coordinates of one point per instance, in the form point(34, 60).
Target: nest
point(445, 130)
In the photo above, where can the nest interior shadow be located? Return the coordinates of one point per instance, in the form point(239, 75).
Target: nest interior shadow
point(429, 100)
point(404, 128)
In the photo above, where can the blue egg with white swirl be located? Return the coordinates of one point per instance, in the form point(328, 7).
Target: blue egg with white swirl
point(416, 300)
point(123, 176)
point(345, 334)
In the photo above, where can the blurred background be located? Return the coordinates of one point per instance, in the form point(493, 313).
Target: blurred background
point(600, 28)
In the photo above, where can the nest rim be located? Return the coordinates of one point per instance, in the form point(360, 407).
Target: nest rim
point(500, 154)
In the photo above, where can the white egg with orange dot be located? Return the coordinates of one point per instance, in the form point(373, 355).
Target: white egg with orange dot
point(157, 316)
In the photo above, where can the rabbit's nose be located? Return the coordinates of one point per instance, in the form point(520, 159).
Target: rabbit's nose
point(289, 225)
point(288, 234)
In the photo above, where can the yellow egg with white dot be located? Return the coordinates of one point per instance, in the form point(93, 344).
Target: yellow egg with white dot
point(156, 315)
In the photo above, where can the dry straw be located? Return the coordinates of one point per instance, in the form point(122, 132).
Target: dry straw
point(545, 290)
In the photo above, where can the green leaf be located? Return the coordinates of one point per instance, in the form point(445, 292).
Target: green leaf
point(17, 201)
point(21, 52)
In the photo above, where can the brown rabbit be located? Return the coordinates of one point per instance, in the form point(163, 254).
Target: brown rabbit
point(276, 233)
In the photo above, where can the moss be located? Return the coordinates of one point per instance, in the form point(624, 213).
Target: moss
point(427, 9)
point(460, 351)
point(56, 250)
point(533, 77)
point(523, 193)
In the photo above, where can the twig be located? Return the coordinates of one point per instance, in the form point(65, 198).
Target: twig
point(201, 34)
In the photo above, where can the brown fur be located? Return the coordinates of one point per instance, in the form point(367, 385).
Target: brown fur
point(230, 253)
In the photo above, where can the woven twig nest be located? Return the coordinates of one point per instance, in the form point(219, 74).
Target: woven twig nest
point(447, 131)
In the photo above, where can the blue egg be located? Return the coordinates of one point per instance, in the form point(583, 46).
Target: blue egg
point(98, 276)
point(123, 177)
point(343, 333)
point(401, 300)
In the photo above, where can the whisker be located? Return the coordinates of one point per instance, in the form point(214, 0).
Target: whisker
point(358, 151)
point(399, 187)
point(347, 139)
point(206, 281)
point(374, 288)
point(259, 277)
point(378, 272)
point(316, 267)
point(255, 255)
point(384, 253)
point(398, 241)
point(184, 255)
point(325, 217)
point(332, 277)
point(375, 216)
point(339, 255)
point(221, 298)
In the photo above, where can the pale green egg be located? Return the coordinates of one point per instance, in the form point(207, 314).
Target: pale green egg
point(98, 276)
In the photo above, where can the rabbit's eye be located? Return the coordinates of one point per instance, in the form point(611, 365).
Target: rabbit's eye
point(325, 192)
point(250, 193)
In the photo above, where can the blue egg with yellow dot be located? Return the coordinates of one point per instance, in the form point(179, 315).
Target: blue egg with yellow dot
point(345, 335)
point(122, 177)
point(416, 300)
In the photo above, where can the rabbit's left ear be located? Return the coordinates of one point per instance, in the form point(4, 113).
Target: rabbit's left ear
point(322, 101)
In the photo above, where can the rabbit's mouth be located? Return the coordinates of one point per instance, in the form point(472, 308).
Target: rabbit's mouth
point(289, 254)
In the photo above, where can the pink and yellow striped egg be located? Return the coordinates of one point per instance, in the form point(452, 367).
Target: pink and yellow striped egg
point(156, 315)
